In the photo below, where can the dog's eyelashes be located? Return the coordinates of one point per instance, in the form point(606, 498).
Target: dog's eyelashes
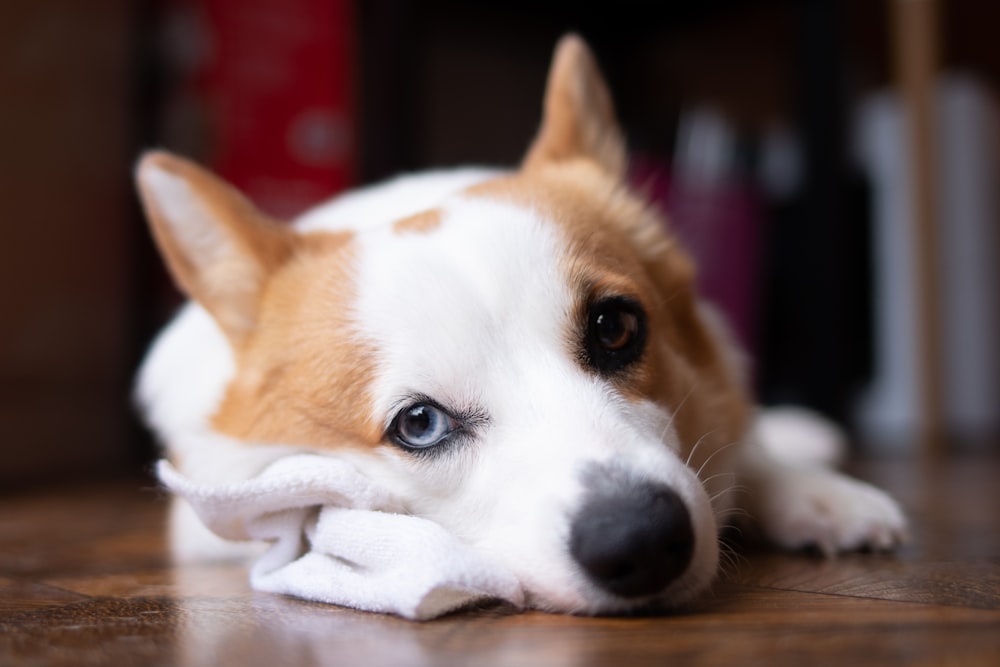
point(616, 334)
point(421, 426)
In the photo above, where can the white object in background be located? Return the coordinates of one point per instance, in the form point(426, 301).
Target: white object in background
point(967, 171)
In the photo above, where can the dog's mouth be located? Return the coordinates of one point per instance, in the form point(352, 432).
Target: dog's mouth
point(676, 598)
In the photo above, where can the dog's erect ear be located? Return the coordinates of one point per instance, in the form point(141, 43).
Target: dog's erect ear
point(579, 116)
point(220, 249)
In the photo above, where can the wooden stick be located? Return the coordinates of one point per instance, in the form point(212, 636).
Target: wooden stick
point(916, 59)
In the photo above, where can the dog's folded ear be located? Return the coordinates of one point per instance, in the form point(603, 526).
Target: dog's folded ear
point(220, 249)
point(579, 117)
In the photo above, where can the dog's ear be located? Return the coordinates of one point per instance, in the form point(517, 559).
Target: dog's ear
point(579, 117)
point(219, 248)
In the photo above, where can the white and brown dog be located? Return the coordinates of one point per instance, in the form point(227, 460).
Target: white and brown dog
point(520, 356)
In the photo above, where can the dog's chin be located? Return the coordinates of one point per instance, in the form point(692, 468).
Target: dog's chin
point(603, 604)
point(585, 599)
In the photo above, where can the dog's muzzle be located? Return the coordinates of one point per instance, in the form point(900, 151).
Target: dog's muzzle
point(632, 538)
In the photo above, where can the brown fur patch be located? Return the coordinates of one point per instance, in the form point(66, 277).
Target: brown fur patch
point(303, 375)
point(420, 223)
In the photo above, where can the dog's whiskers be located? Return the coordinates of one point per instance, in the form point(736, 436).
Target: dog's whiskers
point(738, 488)
point(731, 513)
point(697, 444)
point(730, 560)
point(717, 475)
point(726, 512)
point(673, 416)
point(715, 453)
point(724, 516)
point(735, 528)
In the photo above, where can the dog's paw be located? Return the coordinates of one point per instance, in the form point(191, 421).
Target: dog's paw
point(815, 507)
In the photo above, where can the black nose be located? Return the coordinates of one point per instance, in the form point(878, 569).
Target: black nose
point(632, 541)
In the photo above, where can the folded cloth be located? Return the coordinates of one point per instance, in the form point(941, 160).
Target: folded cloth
point(332, 542)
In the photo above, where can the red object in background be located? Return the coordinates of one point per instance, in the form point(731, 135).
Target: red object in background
point(270, 83)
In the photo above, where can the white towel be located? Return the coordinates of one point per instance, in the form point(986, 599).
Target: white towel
point(332, 542)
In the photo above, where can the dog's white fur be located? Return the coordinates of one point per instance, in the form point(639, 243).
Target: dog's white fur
point(474, 312)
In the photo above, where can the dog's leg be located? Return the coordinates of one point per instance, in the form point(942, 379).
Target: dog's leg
point(798, 500)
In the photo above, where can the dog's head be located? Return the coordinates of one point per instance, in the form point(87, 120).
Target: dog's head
point(525, 364)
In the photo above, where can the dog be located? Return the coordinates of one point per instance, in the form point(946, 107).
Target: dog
point(519, 355)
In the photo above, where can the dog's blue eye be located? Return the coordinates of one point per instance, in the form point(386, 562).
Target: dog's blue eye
point(422, 425)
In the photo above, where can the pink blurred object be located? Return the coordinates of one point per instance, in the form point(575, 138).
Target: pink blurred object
point(717, 217)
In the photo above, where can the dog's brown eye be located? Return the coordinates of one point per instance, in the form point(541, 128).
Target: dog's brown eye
point(616, 334)
point(615, 329)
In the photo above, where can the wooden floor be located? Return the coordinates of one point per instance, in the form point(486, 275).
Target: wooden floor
point(84, 580)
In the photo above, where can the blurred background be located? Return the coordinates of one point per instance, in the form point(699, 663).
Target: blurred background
point(833, 165)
